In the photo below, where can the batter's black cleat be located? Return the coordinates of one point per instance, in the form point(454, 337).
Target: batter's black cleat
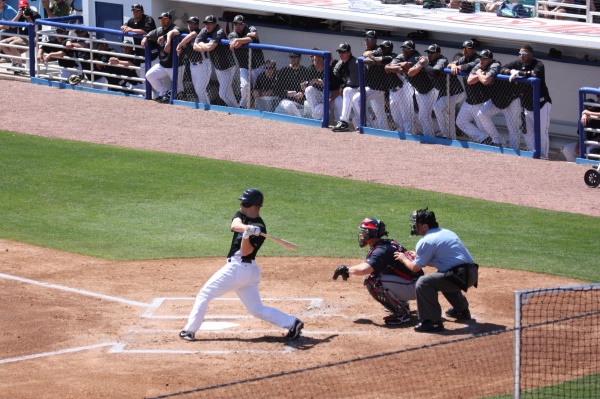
point(464, 315)
point(429, 326)
point(396, 318)
point(295, 331)
point(341, 127)
point(187, 335)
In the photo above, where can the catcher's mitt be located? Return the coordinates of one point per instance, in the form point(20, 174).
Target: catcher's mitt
point(341, 270)
point(74, 79)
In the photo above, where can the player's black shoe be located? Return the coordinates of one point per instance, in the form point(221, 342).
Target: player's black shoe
point(429, 326)
point(294, 332)
point(187, 335)
point(341, 127)
point(396, 318)
point(464, 315)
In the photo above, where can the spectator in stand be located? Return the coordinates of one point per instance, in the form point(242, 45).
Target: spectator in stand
point(46, 53)
point(60, 8)
point(376, 81)
point(313, 89)
point(443, 105)
point(243, 34)
point(346, 71)
point(527, 66)
point(504, 98)
point(477, 94)
point(289, 80)
point(7, 13)
point(401, 96)
point(590, 118)
point(164, 68)
point(220, 58)
point(25, 14)
point(425, 92)
point(142, 24)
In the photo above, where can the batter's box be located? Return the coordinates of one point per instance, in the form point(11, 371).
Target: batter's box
point(223, 308)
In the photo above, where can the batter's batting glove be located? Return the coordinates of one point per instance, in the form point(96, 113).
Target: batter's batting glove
point(341, 270)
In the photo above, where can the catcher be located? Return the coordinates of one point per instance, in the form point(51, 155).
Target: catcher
point(388, 281)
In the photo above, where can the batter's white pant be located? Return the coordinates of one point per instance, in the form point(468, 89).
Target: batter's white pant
point(376, 99)
point(445, 114)
point(200, 74)
point(466, 115)
point(314, 99)
point(243, 278)
point(425, 102)
point(245, 83)
point(512, 114)
point(289, 107)
point(544, 126)
point(402, 107)
point(155, 76)
point(347, 96)
point(225, 78)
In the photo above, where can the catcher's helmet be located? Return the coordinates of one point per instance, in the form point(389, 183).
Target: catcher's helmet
point(370, 228)
point(251, 197)
point(422, 216)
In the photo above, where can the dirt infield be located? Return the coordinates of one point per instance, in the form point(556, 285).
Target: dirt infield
point(76, 327)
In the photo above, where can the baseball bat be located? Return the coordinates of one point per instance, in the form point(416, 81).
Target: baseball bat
point(283, 243)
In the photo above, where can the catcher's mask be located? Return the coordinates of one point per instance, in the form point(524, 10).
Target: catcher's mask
point(370, 228)
point(251, 197)
point(422, 216)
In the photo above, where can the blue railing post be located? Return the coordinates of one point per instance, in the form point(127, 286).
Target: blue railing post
point(326, 93)
point(363, 97)
point(535, 82)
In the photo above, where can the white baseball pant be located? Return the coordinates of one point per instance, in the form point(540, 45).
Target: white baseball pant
point(289, 107)
point(246, 81)
point(512, 114)
point(445, 114)
point(402, 107)
point(225, 78)
point(376, 99)
point(155, 76)
point(243, 278)
point(425, 102)
point(467, 114)
point(347, 95)
point(200, 73)
point(314, 99)
point(544, 126)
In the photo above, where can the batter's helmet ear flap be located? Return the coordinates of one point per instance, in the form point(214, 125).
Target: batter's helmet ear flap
point(251, 197)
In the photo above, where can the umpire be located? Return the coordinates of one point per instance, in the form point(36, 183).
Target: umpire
point(442, 249)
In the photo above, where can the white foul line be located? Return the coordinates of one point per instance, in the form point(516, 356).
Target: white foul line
point(69, 289)
point(71, 350)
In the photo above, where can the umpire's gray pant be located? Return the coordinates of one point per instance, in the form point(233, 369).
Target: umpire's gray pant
point(427, 289)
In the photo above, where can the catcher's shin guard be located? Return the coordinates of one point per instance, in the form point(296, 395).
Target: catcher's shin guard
point(384, 296)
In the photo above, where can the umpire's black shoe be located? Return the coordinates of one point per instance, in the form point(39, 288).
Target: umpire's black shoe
point(341, 127)
point(429, 326)
point(464, 315)
point(294, 332)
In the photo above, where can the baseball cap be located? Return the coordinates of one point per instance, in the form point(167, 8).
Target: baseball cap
point(23, 3)
point(239, 19)
point(210, 19)
point(61, 31)
point(166, 15)
point(434, 48)
point(294, 55)
point(386, 44)
point(485, 54)
point(409, 44)
point(138, 7)
point(343, 47)
point(468, 44)
point(78, 31)
point(194, 20)
point(371, 34)
point(102, 42)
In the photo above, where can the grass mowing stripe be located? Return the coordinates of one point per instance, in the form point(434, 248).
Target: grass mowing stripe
point(118, 203)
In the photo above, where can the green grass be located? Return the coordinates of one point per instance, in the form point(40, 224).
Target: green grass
point(586, 387)
point(118, 203)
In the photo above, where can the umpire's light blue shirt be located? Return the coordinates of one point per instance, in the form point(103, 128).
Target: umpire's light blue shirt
point(442, 249)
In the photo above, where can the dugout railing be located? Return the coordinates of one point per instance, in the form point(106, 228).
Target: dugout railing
point(588, 135)
point(433, 116)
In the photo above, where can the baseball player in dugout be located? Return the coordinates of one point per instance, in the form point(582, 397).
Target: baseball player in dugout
point(241, 273)
point(388, 281)
point(443, 250)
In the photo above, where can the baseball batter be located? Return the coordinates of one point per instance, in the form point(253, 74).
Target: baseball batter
point(241, 273)
point(388, 281)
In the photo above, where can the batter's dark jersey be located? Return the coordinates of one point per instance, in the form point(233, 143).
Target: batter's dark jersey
point(381, 259)
point(221, 56)
point(147, 24)
point(256, 241)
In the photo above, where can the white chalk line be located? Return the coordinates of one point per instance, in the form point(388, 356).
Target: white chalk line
point(54, 353)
